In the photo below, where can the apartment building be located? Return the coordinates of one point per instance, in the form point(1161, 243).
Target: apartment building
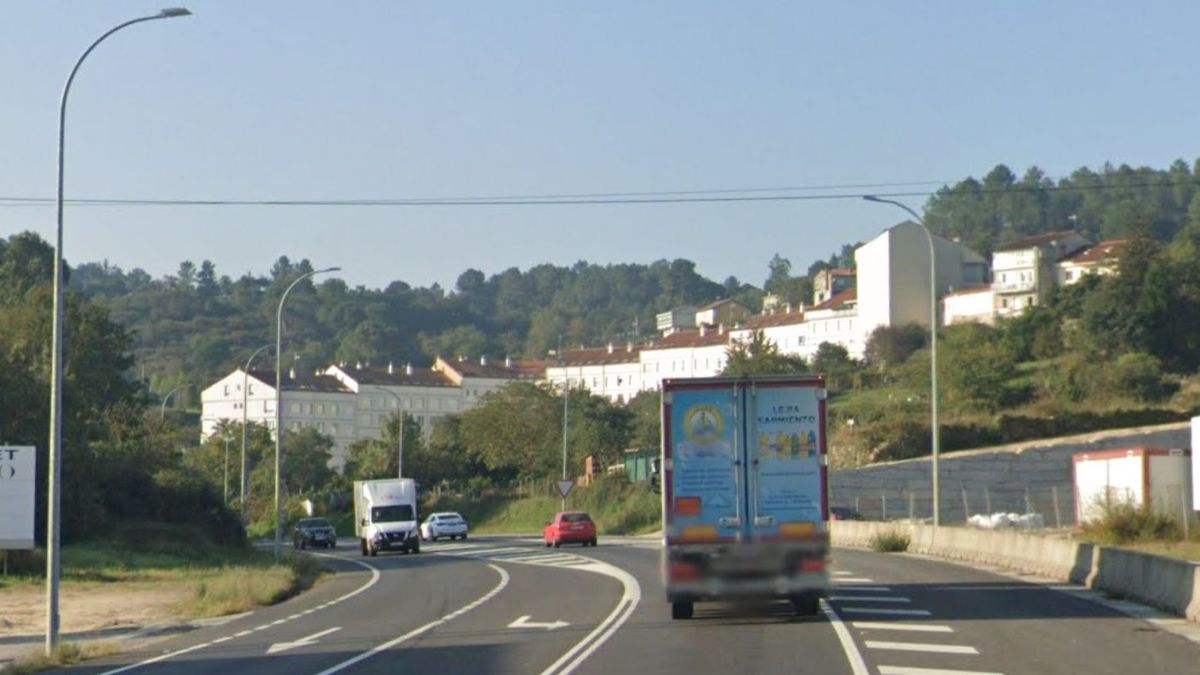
point(1024, 271)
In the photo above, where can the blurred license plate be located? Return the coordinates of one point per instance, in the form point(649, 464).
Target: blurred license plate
point(577, 527)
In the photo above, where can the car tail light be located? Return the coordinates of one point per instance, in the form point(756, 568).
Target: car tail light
point(812, 564)
point(683, 570)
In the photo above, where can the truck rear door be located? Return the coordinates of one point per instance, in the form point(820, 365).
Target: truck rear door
point(703, 472)
point(786, 459)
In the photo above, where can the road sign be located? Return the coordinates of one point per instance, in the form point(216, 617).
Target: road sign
point(564, 487)
point(17, 485)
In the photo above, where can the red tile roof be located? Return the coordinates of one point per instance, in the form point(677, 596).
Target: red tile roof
point(1036, 240)
point(302, 382)
point(776, 319)
point(1105, 250)
point(691, 338)
point(838, 300)
point(598, 356)
point(421, 377)
point(493, 369)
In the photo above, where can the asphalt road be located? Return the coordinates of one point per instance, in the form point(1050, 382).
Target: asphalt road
point(508, 605)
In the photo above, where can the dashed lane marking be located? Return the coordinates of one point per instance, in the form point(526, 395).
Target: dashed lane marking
point(902, 670)
point(866, 598)
point(899, 625)
point(885, 611)
point(928, 647)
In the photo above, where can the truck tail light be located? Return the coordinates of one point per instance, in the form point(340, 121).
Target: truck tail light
point(812, 564)
point(682, 570)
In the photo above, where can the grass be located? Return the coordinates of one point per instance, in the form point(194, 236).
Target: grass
point(617, 506)
point(67, 653)
point(890, 541)
point(1124, 523)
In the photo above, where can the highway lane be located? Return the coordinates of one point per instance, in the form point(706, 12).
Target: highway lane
point(496, 605)
point(454, 611)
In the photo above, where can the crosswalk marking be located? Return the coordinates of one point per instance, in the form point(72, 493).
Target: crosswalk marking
point(884, 610)
point(904, 670)
point(921, 647)
point(896, 625)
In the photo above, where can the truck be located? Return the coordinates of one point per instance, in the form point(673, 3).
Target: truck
point(385, 515)
point(743, 477)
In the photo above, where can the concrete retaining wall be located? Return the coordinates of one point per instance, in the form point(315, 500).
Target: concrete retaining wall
point(1166, 583)
point(1032, 477)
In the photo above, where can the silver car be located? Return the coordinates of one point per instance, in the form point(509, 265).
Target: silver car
point(445, 524)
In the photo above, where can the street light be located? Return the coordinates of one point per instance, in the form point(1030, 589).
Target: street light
point(933, 324)
point(566, 390)
point(162, 410)
point(245, 421)
point(53, 497)
point(399, 434)
point(279, 406)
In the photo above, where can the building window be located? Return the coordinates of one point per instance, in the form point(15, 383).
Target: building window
point(226, 390)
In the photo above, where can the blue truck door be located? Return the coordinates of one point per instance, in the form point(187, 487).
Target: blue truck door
point(705, 484)
point(785, 447)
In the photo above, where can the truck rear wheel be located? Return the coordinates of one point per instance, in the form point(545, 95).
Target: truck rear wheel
point(681, 610)
point(806, 604)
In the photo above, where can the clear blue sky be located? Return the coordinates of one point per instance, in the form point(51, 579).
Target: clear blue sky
point(388, 100)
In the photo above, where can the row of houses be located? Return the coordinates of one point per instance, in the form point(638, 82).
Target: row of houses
point(891, 287)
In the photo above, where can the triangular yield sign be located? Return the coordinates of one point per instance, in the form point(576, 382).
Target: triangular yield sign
point(564, 487)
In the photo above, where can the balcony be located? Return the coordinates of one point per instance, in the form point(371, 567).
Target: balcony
point(1015, 286)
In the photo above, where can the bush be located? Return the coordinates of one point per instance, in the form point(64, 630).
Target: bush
point(890, 541)
point(1124, 523)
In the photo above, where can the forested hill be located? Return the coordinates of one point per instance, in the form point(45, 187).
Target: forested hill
point(197, 324)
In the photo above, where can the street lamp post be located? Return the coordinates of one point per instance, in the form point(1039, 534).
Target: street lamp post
point(245, 421)
point(53, 517)
point(933, 324)
point(399, 434)
point(566, 391)
point(162, 410)
point(279, 406)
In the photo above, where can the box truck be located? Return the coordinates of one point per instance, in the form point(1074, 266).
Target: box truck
point(385, 515)
point(743, 478)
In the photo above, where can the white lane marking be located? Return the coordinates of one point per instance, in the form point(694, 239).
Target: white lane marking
point(921, 647)
point(488, 551)
point(866, 598)
point(898, 625)
point(375, 576)
point(853, 580)
point(855, 657)
point(884, 610)
point(863, 589)
point(294, 616)
point(905, 670)
point(1007, 587)
point(302, 642)
point(224, 639)
point(426, 628)
point(843, 573)
point(568, 662)
point(524, 622)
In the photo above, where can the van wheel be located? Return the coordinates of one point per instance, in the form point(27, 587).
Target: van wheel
point(374, 551)
point(363, 545)
point(557, 543)
point(681, 610)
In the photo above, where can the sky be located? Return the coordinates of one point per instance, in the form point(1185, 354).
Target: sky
point(401, 100)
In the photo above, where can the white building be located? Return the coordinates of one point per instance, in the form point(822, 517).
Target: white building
point(973, 304)
point(349, 404)
point(893, 276)
point(1024, 271)
point(316, 401)
point(1103, 258)
point(835, 321)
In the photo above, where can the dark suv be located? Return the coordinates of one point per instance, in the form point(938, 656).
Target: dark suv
point(314, 532)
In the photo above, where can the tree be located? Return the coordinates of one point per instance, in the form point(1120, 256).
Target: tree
point(759, 356)
point(975, 368)
point(834, 362)
point(888, 346)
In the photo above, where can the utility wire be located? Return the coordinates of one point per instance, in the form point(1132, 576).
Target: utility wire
point(677, 197)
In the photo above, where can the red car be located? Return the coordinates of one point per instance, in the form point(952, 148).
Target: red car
point(569, 526)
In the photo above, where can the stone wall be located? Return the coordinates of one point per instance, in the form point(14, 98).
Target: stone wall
point(1032, 477)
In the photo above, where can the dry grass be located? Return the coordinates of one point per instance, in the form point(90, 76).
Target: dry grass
point(234, 589)
point(66, 654)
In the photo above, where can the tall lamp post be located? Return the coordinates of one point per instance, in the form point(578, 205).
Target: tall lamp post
point(399, 434)
point(566, 390)
point(279, 406)
point(933, 324)
point(162, 410)
point(245, 421)
point(53, 517)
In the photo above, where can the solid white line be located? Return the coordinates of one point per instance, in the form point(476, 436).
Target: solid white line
point(855, 657)
point(853, 580)
point(375, 576)
point(866, 598)
point(224, 639)
point(883, 610)
point(568, 662)
point(905, 670)
point(423, 629)
point(921, 647)
point(892, 625)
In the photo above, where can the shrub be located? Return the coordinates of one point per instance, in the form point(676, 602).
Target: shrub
point(890, 541)
point(1123, 523)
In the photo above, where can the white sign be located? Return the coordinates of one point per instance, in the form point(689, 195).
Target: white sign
point(564, 487)
point(18, 466)
point(1196, 463)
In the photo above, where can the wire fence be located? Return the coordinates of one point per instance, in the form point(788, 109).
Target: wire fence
point(998, 506)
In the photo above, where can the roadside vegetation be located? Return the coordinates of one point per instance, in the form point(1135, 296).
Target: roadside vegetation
point(66, 654)
point(890, 541)
point(1144, 529)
